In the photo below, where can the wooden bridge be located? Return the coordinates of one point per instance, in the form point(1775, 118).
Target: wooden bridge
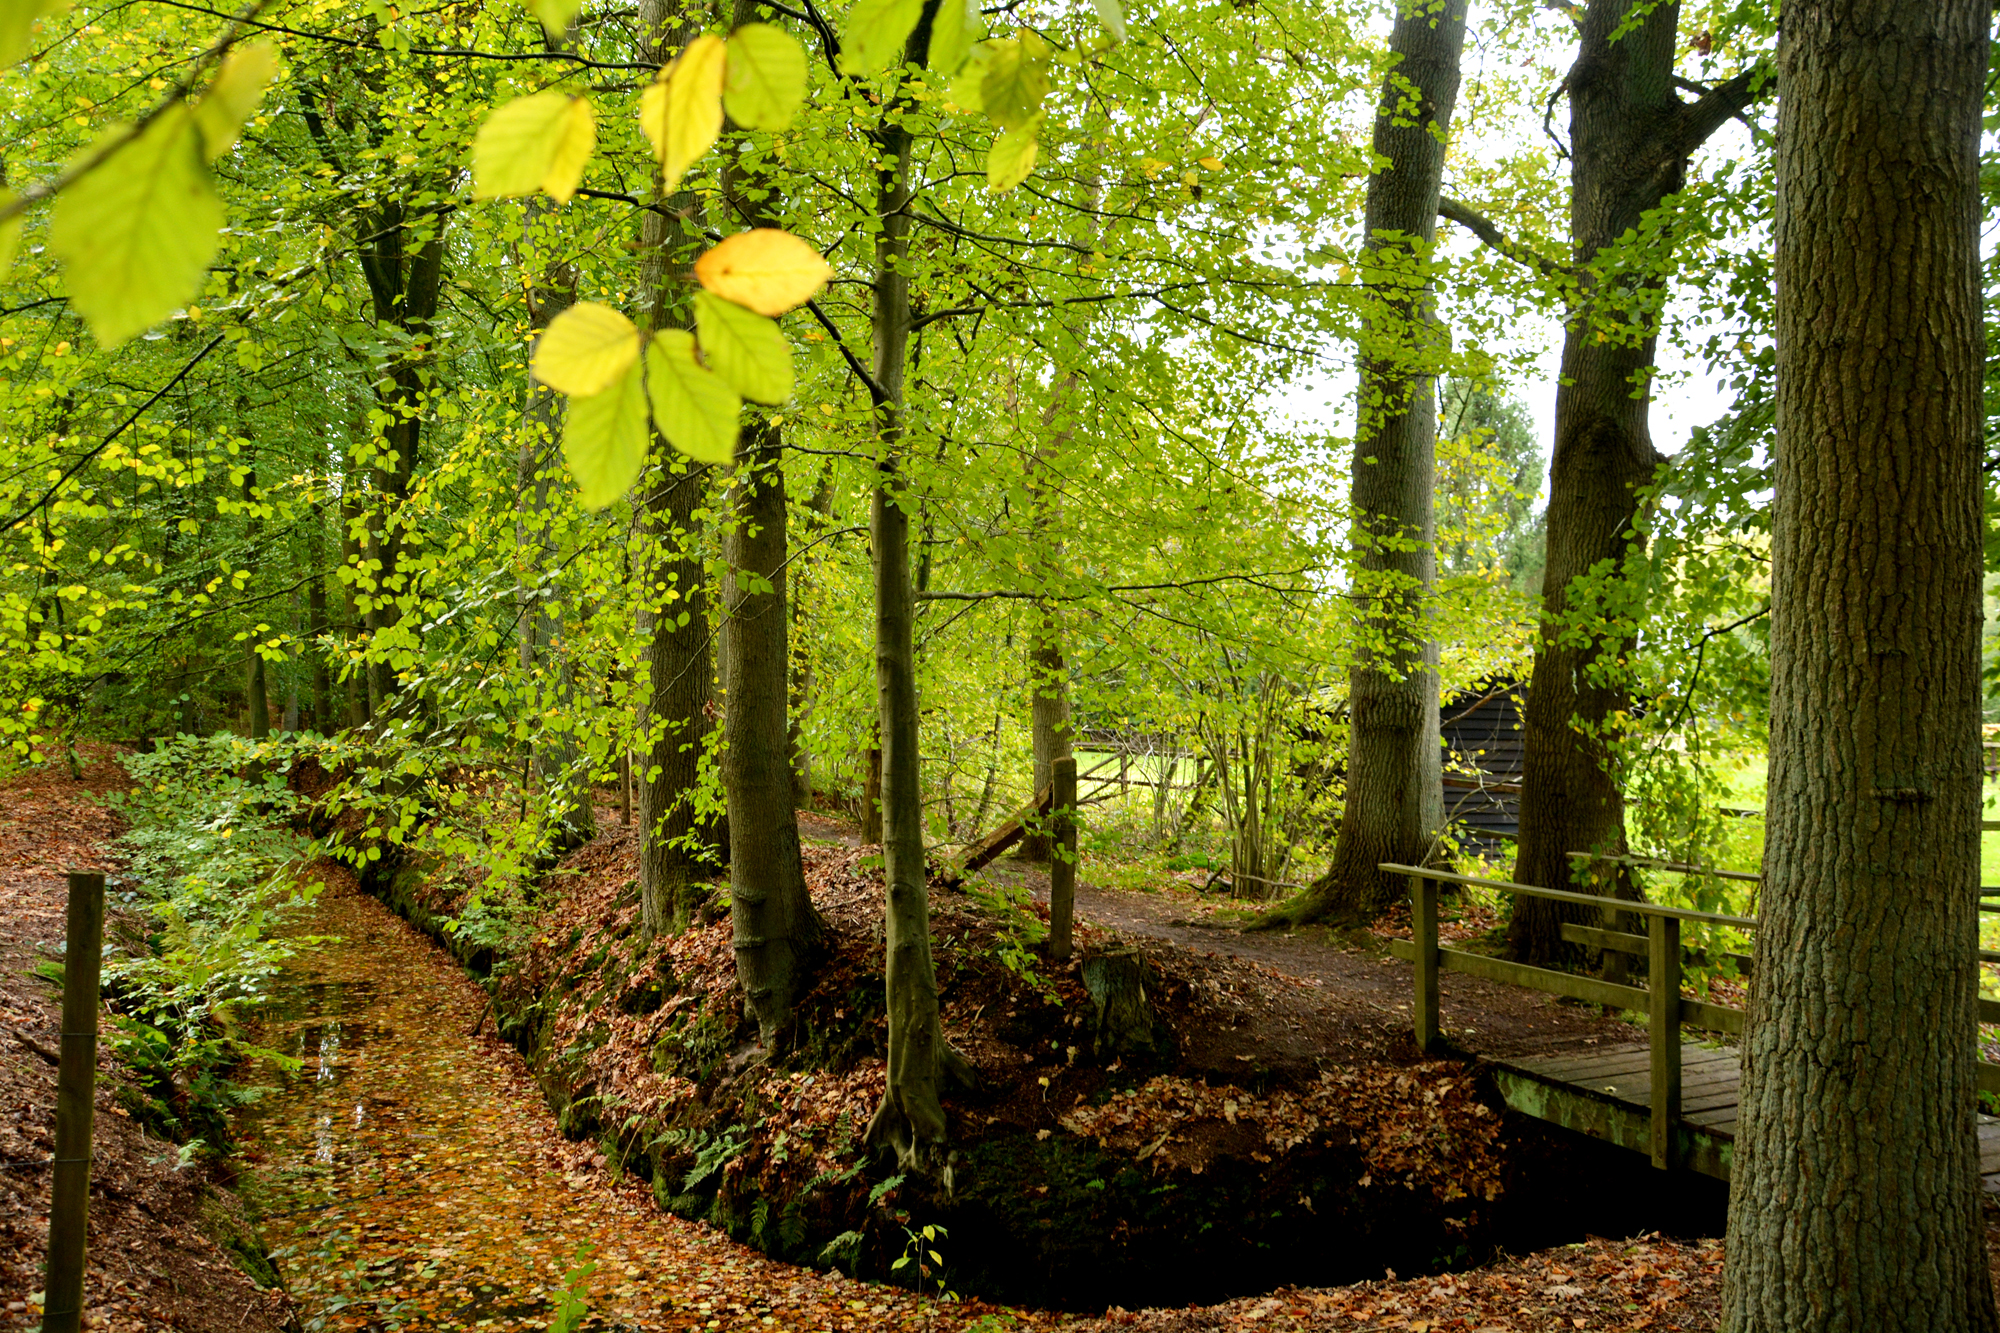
point(1674, 1102)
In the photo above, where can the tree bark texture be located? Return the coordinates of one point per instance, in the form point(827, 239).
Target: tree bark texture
point(1395, 799)
point(776, 929)
point(677, 697)
point(910, 1120)
point(1630, 137)
point(1049, 728)
point(777, 932)
point(1855, 1193)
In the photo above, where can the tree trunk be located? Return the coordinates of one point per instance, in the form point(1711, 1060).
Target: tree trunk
point(1394, 793)
point(355, 677)
point(818, 508)
point(321, 716)
point(1629, 138)
point(677, 698)
point(1048, 717)
point(777, 932)
point(1855, 1199)
point(871, 796)
point(258, 689)
point(910, 1119)
point(545, 666)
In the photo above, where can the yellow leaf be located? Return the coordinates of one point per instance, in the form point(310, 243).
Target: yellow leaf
point(954, 30)
point(604, 439)
point(681, 112)
point(692, 407)
point(539, 142)
point(1212, 163)
point(768, 270)
point(234, 94)
point(1012, 156)
point(556, 15)
point(10, 234)
point(764, 78)
point(585, 348)
point(872, 39)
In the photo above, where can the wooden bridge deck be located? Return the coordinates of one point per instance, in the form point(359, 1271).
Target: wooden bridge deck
point(1607, 1094)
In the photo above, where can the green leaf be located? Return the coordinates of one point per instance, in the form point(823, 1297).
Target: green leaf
point(764, 77)
point(17, 18)
point(876, 30)
point(538, 142)
point(604, 439)
point(1006, 80)
point(745, 348)
point(1012, 156)
point(692, 407)
point(556, 15)
point(953, 31)
point(1111, 14)
point(233, 95)
point(137, 231)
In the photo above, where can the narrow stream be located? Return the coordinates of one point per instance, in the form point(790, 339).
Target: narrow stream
point(412, 1178)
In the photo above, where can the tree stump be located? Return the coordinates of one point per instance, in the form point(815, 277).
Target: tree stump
point(1116, 980)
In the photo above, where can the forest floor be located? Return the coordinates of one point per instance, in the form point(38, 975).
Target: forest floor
point(456, 1216)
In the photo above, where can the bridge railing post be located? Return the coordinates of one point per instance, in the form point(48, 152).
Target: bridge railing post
point(1663, 1022)
point(1424, 932)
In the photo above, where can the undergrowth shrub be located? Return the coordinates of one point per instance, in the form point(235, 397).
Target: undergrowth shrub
point(215, 871)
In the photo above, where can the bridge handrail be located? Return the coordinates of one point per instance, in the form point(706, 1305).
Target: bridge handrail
point(1597, 900)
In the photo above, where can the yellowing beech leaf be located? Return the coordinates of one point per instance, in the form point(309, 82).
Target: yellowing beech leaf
point(539, 142)
point(17, 18)
point(604, 439)
point(692, 407)
point(873, 37)
point(957, 26)
point(1012, 82)
point(556, 15)
point(1112, 15)
point(234, 94)
point(764, 77)
point(136, 233)
point(681, 112)
point(768, 270)
point(744, 348)
point(1012, 156)
point(585, 348)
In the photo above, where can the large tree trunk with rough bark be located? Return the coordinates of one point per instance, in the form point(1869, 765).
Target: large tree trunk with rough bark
point(1394, 797)
point(1630, 136)
point(910, 1120)
point(777, 932)
point(1855, 1197)
point(676, 696)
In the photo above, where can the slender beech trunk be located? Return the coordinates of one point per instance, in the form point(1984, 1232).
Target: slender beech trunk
point(357, 679)
point(777, 932)
point(322, 716)
point(910, 1119)
point(1855, 1196)
point(678, 697)
point(539, 649)
point(1395, 798)
point(1630, 137)
point(259, 692)
point(1048, 674)
point(818, 510)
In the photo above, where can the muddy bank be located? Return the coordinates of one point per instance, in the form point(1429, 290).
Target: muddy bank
point(1085, 1176)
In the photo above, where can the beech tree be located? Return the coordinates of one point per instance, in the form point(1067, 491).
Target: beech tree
point(1395, 803)
point(1855, 1197)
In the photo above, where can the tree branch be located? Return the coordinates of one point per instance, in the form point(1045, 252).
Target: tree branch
point(1181, 585)
point(861, 372)
point(1703, 116)
point(1482, 227)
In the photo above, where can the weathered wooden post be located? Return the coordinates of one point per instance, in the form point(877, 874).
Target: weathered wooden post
point(1424, 928)
point(76, 1092)
point(1062, 865)
point(1663, 1021)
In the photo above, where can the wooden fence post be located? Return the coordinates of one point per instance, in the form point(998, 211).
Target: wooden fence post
point(1663, 990)
point(1062, 864)
point(76, 1090)
point(1424, 926)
